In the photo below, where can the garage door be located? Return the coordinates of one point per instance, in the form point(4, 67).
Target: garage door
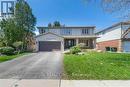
point(126, 46)
point(49, 45)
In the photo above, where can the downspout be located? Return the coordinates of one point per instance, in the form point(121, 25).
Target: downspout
point(120, 41)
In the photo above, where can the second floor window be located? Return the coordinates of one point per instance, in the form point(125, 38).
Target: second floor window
point(66, 31)
point(85, 31)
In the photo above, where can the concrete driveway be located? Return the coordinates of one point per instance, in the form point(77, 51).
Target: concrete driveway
point(42, 65)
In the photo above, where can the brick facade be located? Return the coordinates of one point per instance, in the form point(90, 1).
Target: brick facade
point(113, 43)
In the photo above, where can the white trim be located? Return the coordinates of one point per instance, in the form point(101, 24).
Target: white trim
point(53, 37)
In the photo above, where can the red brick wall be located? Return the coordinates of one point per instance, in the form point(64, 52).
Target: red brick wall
point(113, 43)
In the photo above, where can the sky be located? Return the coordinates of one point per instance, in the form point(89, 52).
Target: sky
point(72, 13)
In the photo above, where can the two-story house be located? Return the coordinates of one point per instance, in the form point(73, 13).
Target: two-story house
point(115, 38)
point(60, 38)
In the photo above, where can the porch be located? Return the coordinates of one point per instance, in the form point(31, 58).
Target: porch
point(89, 43)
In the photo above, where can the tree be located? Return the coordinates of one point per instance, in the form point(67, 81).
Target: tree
point(56, 24)
point(19, 27)
point(8, 27)
point(25, 20)
point(18, 45)
point(1, 38)
point(49, 25)
point(121, 7)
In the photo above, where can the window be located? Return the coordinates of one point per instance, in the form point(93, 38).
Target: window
point(7, 7)
point(85, 31)
point(66, 31)
point(108, 49)
point(111, 49)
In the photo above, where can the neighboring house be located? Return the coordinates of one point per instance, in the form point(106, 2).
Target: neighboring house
point(7, 8)
point(115, 38)
point(60, 38)
point(5, 11)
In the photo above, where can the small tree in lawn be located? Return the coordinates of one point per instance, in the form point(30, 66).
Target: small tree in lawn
point(18, 46)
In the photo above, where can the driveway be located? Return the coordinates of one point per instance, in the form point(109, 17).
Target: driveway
point(42, 65)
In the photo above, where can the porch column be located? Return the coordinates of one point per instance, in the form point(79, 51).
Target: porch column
point(62, 45)
point(77, 41)
point(94, 43)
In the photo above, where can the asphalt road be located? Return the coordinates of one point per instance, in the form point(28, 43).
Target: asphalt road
point(42, 65)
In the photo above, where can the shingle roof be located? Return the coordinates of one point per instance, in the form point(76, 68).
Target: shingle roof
point(48, 33)
point(69, 27)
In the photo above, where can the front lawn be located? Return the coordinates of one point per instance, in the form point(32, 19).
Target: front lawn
point(97, 66)
point(6, 58)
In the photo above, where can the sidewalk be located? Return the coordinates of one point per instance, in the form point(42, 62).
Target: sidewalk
point(63, 83)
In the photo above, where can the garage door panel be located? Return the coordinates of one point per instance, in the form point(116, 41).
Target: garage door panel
point(49, 46)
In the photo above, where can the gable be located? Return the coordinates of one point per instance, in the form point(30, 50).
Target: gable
point(49, 37)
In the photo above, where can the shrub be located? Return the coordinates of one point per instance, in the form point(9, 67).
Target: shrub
point(82, 45)
point(75, 50)
point(7, 50)
point(18, 46)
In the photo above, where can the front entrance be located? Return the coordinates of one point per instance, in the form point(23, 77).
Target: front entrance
point(69, 43)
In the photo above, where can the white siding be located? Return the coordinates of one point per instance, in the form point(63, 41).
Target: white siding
point(55, 31)
point(125, 27)
point(126, 46)
point(48, 37)
point(74, 32)
point(112, 34)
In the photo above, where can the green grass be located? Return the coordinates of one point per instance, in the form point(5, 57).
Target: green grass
point(97, 66)
point(7, 58)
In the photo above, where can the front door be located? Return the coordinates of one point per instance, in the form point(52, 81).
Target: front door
point(69, 43)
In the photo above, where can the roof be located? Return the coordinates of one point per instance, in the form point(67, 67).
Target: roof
point(120, 23)
point(93, 36)
point(48, 33)
point(68, 27)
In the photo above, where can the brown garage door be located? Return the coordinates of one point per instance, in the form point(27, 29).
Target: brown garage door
point(49, 45)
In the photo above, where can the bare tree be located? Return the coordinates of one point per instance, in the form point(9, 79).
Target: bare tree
point(116, 5)
point(121, 7)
